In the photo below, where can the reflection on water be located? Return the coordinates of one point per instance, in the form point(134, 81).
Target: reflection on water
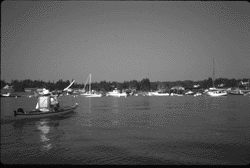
point(90, 106)
point(115, 102)
point(115, 108)
point(44, 128)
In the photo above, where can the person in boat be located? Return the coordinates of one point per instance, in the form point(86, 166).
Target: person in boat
point(47, 102)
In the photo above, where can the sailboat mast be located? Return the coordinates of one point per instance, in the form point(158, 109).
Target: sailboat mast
point(90, 84)
point(213, 72)
point(85, 84)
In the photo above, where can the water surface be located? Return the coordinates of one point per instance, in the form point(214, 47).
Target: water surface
point(133, 130)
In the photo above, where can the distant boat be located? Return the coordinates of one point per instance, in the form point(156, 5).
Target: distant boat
point(89, 93)
point(236, 92)
point(5, 95)
point(197, 94)
point(116, 93)
point(94, 95)
point(157, 94)
point(189, 93)
point(214, 92)
point(8, 95)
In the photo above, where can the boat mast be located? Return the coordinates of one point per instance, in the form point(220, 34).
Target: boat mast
point(85, 84)
point(213, 72)
point(90, 84)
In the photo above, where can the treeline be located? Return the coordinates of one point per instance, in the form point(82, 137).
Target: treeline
point(143, 85)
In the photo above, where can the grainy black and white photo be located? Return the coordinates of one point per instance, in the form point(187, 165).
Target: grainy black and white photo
point(125, 82)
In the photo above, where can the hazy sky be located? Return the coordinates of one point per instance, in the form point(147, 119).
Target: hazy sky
point(117, 41)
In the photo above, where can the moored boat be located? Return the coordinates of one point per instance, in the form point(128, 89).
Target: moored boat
point(94, 95)
point(9, 95)
point(236, 92)
point(116, 93)
point(189, 93)
point(20, 113)
point(197, 94)
point(216, 93)
point(157, 94)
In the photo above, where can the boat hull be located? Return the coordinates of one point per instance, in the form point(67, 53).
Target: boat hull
point(9, 96)
point(158, 94)
point(235, 94)
point(36, 114)
point(117, 95)
point(212, 94)
point(93, 95)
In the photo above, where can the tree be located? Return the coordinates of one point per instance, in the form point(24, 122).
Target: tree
point(134, 84)
point(3, 83)
point(145, 84)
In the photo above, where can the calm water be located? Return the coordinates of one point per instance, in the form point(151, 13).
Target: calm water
point(133, 130)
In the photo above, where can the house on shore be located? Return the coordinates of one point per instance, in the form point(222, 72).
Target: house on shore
point(177, 90)
point(33, 89)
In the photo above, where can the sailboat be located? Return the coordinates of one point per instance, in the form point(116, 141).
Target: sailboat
point(213, 92)
point(89, 93)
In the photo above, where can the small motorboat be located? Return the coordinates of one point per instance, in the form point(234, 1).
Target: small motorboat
point(216, 93)
point(116, 93)
point(189, 93)
point(237, 92)
point(94, 95)
point(9, 95)
point(20, 113)
point(158, 94)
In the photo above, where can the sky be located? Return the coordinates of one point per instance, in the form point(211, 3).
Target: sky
point(122, 41)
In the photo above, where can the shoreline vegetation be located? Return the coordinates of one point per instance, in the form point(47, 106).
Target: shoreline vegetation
point(142, 86)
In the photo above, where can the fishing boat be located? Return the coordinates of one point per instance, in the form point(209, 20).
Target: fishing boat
point(20, 113)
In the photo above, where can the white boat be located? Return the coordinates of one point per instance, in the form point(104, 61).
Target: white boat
point(197, 94)
point(5, 95)
point(236, 92)
point(116, 93)
point(174, 94)
point(89, 93)
point(189, 93)
point(157, 94)
point(214, 92)
point(94, 95)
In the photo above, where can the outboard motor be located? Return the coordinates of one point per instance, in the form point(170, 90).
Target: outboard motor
point(20, 110)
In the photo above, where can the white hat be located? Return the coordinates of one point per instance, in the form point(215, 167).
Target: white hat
point(45, 91)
